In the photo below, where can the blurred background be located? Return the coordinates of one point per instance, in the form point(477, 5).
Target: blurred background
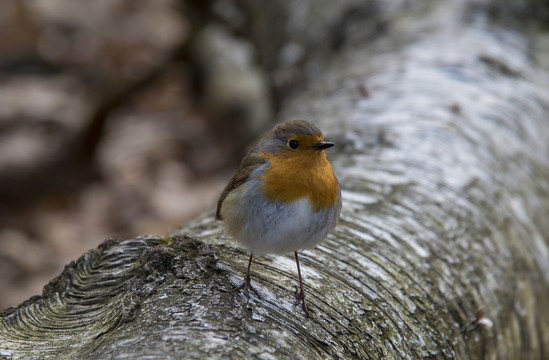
point(120, 118)
point(117, 118)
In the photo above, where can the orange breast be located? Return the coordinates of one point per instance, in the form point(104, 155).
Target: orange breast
point(292, 176)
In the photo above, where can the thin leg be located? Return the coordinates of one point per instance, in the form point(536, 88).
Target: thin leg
point(301, 294)
point(247, 279)
point(247, 285)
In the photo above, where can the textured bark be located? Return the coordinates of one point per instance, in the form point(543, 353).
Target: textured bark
point(442, 250)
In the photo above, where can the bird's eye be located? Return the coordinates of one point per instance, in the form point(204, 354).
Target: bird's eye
point(293, 144)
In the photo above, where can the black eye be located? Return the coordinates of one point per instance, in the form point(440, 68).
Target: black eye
point(293, 144)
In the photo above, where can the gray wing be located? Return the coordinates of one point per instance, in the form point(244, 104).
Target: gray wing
point(248, 164)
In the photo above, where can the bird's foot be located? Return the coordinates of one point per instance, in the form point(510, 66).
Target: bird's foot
point(247, 286)
point(300, 297)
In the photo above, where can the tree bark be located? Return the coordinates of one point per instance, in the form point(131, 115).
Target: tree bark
point(442, 250)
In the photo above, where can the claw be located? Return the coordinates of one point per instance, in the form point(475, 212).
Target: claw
point(300, 297)
point(247, 284)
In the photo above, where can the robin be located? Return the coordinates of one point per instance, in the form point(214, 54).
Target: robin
point(284, 197)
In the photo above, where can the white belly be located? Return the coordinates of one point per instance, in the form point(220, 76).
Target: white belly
point(264, 227)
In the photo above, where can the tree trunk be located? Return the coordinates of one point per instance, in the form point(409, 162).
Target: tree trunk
point(441, 127)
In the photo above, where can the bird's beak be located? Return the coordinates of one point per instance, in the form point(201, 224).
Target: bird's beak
point(321, 145)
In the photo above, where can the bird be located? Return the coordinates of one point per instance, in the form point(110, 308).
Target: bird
point(283, 198)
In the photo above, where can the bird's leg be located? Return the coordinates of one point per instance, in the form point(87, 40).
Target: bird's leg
point(300, 295)
point(247, 285)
